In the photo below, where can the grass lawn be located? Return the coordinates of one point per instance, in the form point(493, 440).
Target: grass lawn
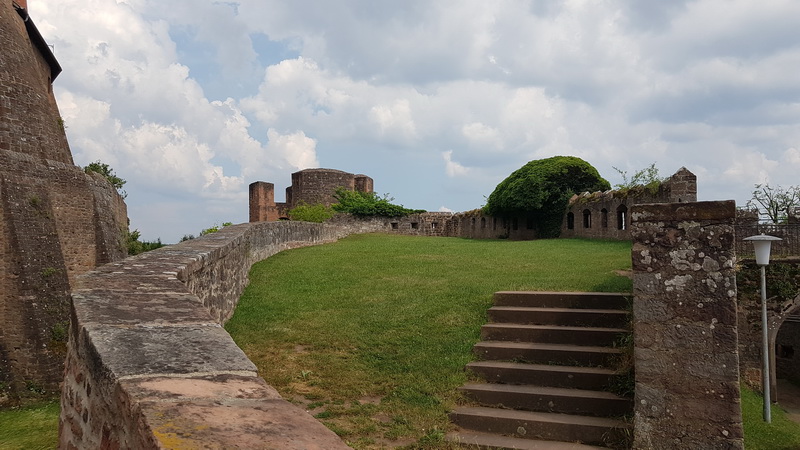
point(29, 427)
point(371, 334)
point(781, 434)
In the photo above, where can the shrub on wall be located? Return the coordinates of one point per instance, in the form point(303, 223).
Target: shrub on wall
point(106, 171)
point(311, 213)
point(540, 190)
point(365, 204)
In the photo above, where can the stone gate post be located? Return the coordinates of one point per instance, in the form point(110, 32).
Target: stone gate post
point(685, 336)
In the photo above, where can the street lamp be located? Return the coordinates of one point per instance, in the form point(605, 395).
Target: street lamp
point(763, 244)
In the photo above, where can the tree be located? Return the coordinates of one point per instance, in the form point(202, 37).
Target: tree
point(135, 246)
point(540, 190)
point(106, 171)
point(775, 203)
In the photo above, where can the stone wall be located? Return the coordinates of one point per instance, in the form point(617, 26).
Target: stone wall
point(29, 118)
point(55, 221)
point(606, 215)
point(685, 327)
point(149, 364)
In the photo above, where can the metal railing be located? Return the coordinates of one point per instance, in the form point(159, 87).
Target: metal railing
point(789, 246)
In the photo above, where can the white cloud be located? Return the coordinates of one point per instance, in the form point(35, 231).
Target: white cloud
point(452, 168)
point(296, 149)
point(192, 100)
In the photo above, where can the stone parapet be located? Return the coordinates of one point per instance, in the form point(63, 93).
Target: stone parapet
point(685, 328)
point(149, 364)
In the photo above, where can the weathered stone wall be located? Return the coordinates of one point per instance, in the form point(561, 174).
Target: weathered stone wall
point(55, 221)
point(149, 365)
point(606, 215)
point(29, 118)
point(685, 329)
point(315, 186)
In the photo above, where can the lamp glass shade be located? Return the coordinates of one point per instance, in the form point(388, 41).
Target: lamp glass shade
point(763, 245)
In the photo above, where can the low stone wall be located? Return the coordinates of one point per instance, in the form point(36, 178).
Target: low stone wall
point(685, 328)
point(149, 364)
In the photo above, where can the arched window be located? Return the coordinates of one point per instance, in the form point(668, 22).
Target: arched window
point(587, 218)
point(570, 221)
point(603, 218)
point(622, 217)
point(483, 222)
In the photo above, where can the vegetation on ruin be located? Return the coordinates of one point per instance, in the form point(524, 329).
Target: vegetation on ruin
point(775, 203)
point(214, 228)
point(371, 334)
point(781, 434)
point(367, 204)
point(106, 171)
point(33, 426)
point(645, 180)
point(541, 189)
point(317, 213)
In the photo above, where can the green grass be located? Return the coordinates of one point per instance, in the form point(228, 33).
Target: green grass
point(29, 427)
point(371, 334)
point(781, 434)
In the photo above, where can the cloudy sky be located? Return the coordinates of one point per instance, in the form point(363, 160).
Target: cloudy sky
point(437, 100)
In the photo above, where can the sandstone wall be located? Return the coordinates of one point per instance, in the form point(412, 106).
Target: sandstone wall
point(150, 365)
point(606, 215)
point(685, 327)
point(29, 118)
point(55, 221)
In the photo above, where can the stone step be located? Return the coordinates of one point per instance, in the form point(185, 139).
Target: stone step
point(487, 441)
point(616, 318)
point(583, 300)
point(557, 354)
point(594, 378)
point(543, 426)
point(554, 334)
point(549, 399)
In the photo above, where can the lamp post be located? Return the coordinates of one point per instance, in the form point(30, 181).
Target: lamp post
point(763, 244)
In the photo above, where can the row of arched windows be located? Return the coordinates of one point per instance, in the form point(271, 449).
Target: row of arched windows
point(622, 218)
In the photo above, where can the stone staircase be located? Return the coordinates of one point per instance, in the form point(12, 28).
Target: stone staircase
point(548, 359)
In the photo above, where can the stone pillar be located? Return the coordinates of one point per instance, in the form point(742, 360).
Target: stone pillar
point(685, 335)
point(262, 196)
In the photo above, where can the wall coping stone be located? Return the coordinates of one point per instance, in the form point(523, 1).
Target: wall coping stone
point(149, 364)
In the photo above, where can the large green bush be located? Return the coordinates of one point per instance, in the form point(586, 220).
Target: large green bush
point(317, 213)
point(365, 204)
point(540, 190)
